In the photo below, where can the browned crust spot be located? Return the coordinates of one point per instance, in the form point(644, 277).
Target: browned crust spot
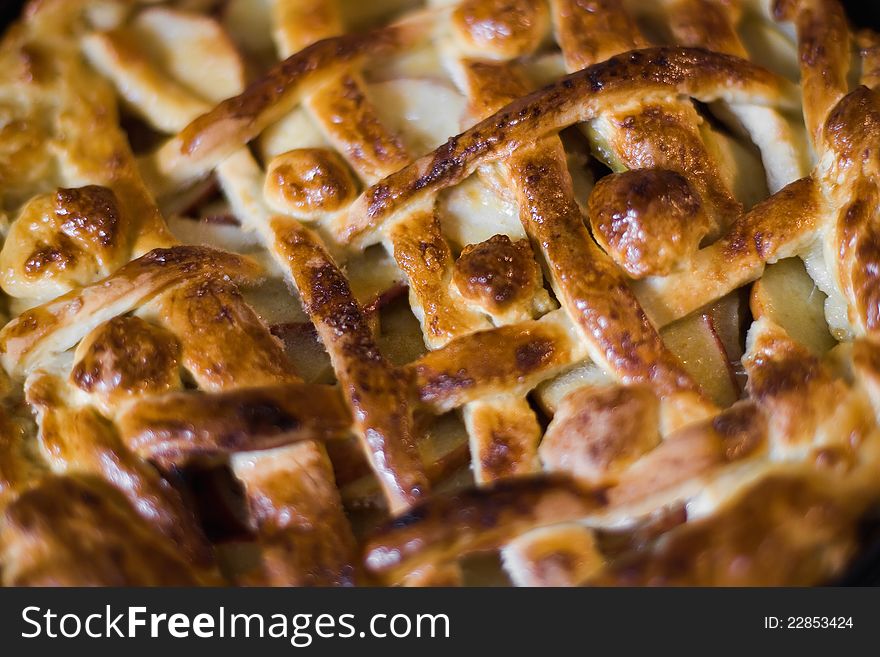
point(497, 273)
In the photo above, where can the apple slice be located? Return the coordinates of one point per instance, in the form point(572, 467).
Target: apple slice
point(551, 392)
point(425, 113)
point(787, 296)
point(176, 39)
point(698, 344)
point(372, 273)
point(476, 209)
point(249, 22)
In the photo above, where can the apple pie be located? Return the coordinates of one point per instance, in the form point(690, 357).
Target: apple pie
point(456, 292)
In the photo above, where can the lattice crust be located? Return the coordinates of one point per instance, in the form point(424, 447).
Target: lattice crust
point(304, 292)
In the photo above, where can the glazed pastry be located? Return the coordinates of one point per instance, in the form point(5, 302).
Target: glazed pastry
point(296, 297)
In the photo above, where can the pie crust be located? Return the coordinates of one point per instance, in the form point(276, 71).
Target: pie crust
point(317, 292)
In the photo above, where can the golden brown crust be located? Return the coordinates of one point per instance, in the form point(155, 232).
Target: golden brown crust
point(824, 49)
point(849, 135)
point(81, 531)
point(62, 240)
point(785, 531)
point(650, 221)
point(507, 358)
point(498, 273)
point(596, 433)
point(504, 435)
point(126, 358)
point(304, 535)
point(162, 367)
point(61, 323)
point(776, 228)
point(352, 126)
point(177, 427)
point(691, 454)
point(424, 255)
point(492, 85)
point(370, 384)
point(235, 121)
point(453, 525)
point(299, 24)
point(564, 555)
point(80, 140)
point(577, 97)
point(225, 345)
point(706, 23)
point(664, 134)
point(500, 28)
point(308, 182)
point(81, 441)
point(589, 286)
point(667, 136)
point(793, 387)
point(589, 31)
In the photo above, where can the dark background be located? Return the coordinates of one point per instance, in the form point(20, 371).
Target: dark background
point(863, 13)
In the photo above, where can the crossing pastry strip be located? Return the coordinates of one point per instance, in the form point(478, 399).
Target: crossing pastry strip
point(64, 239)
point(305, 535)
point(423, 254)
point(299, 24)
point(789, 516)
point(852, 128)
point(663, 134)
point(165, 103)
point(209, 138)
point(59, 324)
point(214, 322)
point(291, 493)
point(50, 90)
point(547, 208)
point(295, 483)
point(711, 25)
point(590, 288)
point(563, 555)
point(79, 440)
point(706, 24)
point(504, 435)
point(339, 106)
point(350, 123)
point(652, 72)
point(586, 282)
point(511, 358)
point(824, 46)
point(782, 226)
point(342, 110)
point(81, 531)
point(686, 466)
point(373, 388)
point(499, 29)
point(453, 525)
point(477, 310)
point(180, 426)
point(587, 35)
